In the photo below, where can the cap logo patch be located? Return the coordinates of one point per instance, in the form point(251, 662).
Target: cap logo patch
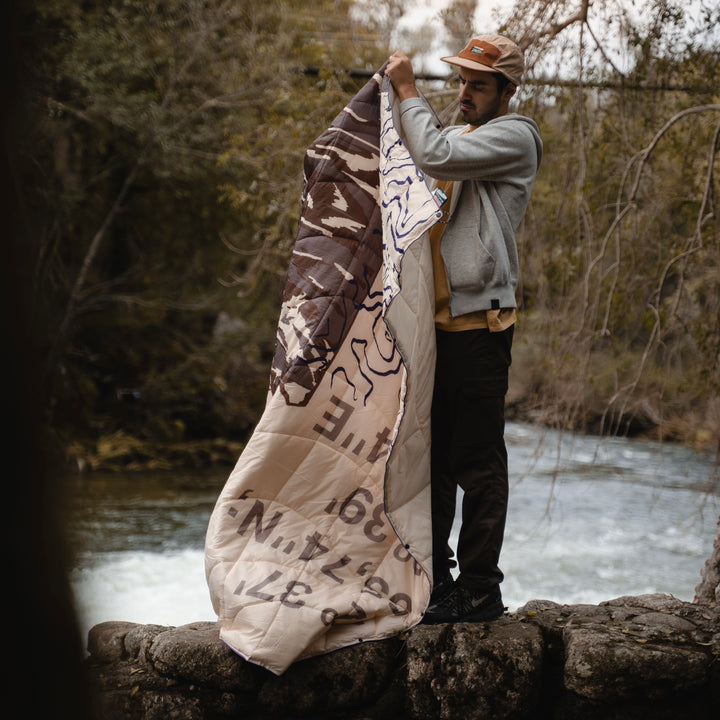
point(481, 52)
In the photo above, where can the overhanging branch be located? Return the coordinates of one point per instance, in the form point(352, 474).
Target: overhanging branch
point(541, 81)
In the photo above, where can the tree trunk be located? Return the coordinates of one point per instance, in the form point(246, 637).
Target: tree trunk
point(708, 591)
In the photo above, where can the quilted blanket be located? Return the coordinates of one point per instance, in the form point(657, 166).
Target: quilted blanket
point(321, 536)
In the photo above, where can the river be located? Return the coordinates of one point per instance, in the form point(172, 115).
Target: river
point(590, 519)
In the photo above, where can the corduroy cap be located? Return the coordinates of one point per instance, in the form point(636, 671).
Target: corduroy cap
point(491, 53)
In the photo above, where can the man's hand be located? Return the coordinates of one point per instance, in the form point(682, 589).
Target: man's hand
point(399, 70)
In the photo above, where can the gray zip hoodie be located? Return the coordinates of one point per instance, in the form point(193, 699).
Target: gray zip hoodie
point(493, 167)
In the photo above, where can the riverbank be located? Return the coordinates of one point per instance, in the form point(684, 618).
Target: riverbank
point(594, 406)
point(122, 452)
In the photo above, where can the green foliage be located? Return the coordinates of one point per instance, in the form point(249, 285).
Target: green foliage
point(621, 247)
point(160, 171)
point(288, 110)
point(160, 134)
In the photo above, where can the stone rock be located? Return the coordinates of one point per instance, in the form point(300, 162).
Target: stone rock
point(106, 642)
point(650, 657)
point(139, 638)
point(348, 678)
point(487, 670)
point(195, 654)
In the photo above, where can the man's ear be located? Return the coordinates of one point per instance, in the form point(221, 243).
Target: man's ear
point(509, 91)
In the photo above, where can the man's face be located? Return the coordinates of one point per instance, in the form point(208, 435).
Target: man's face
point(479, 98)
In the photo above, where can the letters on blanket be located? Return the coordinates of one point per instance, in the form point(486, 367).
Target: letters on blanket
point(321, 536)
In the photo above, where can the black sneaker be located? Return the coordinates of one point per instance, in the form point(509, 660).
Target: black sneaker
point(464, 605)
point(441, 589)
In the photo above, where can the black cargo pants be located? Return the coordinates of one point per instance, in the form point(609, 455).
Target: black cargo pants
point(468, 450)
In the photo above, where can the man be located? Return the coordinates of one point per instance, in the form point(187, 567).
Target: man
point(483, 175)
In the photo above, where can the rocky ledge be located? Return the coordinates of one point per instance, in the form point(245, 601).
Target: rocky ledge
point(632, 658)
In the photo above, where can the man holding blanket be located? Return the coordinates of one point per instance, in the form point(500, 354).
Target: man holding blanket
point(483, 173)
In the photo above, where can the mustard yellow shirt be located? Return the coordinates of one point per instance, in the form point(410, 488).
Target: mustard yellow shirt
point(494, 320)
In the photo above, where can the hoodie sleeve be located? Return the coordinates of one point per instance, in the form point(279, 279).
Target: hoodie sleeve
point(506, 149)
